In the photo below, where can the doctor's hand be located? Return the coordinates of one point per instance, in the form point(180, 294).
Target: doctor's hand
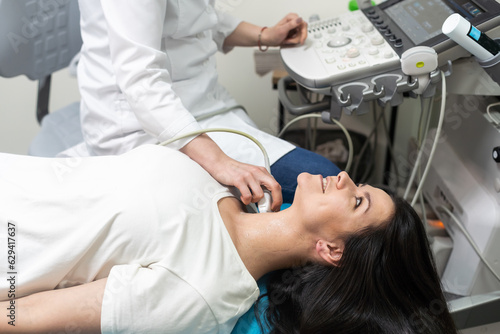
point(249, 179)
point(292, 29)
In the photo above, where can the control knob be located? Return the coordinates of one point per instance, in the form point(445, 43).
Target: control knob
point(496, 154)
point(339, 41)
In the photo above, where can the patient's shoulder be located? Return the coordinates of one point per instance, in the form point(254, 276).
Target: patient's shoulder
point(172, 165)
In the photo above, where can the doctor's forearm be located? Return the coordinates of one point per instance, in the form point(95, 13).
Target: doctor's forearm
point(245, 34)
point(204, 151)
point(249, 179)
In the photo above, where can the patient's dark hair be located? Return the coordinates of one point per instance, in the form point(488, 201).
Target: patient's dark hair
point(386, 282)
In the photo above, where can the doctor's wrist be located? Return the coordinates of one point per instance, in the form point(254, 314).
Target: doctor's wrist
point(261, 41)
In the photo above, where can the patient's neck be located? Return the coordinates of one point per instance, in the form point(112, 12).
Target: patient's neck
point(265, 242)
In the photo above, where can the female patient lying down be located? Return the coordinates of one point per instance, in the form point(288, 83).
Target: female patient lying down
point(149, 242)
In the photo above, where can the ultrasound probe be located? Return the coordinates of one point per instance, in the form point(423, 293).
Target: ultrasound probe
point(469, 37)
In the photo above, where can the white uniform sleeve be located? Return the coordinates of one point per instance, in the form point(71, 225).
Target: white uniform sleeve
point(226, 25)
point(135, 36)
point(152, 300)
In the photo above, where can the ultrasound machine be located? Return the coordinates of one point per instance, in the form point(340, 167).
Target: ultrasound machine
point(399, 48)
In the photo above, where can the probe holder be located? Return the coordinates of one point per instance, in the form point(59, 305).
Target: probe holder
point(492, 65)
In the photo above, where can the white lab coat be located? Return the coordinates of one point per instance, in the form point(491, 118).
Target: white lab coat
point(147, 69)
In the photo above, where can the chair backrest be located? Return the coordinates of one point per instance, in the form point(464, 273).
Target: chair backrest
point(38, 37)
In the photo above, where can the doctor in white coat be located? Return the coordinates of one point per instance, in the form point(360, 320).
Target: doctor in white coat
point(147, 73)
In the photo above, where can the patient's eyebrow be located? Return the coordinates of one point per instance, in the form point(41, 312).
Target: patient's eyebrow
point(368, 199)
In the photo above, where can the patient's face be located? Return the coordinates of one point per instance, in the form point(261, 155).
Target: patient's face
point(335, 205)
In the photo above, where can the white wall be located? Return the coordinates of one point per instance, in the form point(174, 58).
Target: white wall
point(18, 123)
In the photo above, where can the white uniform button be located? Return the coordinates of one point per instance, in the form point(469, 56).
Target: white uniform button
point(330, 60)
point(372, 51)
point(388, 54)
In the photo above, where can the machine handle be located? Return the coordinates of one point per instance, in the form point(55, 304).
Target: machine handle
point(476, 310)
point(301, 109)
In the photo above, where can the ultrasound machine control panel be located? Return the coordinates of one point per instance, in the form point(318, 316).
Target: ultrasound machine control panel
point(371, 41)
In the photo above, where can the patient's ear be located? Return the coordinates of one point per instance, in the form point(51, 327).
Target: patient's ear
point(331, 252)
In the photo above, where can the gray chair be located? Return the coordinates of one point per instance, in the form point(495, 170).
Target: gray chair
point(37, 38)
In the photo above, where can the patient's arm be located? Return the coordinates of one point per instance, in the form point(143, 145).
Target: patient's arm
point(76, 310)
